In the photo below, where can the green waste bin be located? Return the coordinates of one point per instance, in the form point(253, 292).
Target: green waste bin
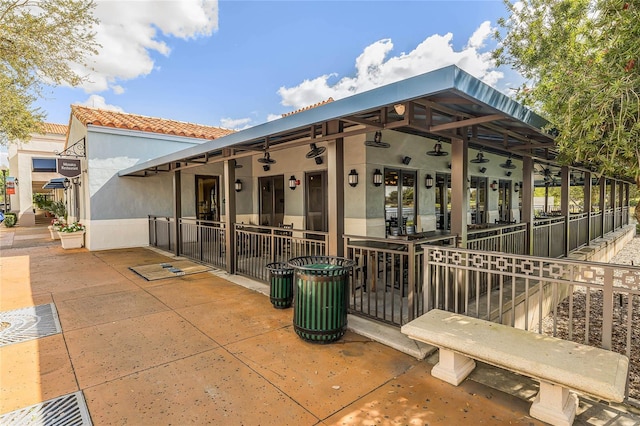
point(320, 293)
point(281, 288)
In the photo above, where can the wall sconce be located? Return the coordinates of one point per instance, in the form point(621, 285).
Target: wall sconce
point(494, 185)
point(428, 181)
point(448, 165)
point(377, 177)
point(266, 167)
point(508, 173)
point(293, 182)
point(352, 178)
point(66, 183)
point(318, 160)
point(483, 169)
point(516, 187)
point(76, 181)
point(238, 185)
point(406, 160)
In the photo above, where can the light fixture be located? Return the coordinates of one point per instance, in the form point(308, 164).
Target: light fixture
point(483, 169)
point(508, 173)
point(406, 160)
point(352, 178)
point(238, 185)
point(76, 181)
point(437, 150)
point(377, 177)
point(318, 160)
point(428, 181)
point(266, 167)
point(399, 108)
point(508, 164)
point(266, 159)
point(377, 141)
point(516, 187)
point(480, 158)
point(66, 183)
point(494, 185)
point(293, 182)
point(315, 151)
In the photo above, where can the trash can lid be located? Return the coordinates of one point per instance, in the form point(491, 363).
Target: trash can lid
point(321, 266)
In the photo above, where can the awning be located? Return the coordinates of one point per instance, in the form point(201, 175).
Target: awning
point(55, 183)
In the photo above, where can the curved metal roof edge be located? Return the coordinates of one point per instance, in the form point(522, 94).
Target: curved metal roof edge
point(430, 83)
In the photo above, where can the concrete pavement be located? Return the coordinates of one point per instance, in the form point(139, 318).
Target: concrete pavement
point(199, 349)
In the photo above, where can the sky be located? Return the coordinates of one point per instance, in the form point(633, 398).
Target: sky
point(236, 64)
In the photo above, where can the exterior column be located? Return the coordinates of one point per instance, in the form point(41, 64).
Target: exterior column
point(459, 193)
point(587, 203)
point(603, 204)
point(614, 205)
point(527, 201)
point(565, 185)
point(230, 215)
point(335, 192)
point(177, 209)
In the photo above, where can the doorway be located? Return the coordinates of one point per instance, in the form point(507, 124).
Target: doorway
point(271, 200)
point(504, 201)
point(316, 201)
point(208, 197)
point(443, 201)
point(478, 199)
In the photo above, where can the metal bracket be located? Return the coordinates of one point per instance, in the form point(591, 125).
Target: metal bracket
point(75, 150)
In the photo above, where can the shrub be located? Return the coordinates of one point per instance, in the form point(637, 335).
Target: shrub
point(9, 220)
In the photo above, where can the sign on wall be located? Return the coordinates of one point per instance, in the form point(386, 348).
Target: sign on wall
point(68, 168)
point(11, 185)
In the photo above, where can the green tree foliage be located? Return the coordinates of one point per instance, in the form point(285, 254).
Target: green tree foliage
point(40, 42)
point(581, 60)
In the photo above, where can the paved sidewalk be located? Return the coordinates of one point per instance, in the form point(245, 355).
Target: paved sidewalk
point(199, 349)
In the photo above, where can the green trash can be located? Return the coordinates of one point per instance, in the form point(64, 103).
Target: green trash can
point(281, 288)
point(320, 293)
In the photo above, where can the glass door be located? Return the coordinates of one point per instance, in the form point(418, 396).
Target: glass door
point(443, 201)
point(316, 202)
point(207, 198)
point(400, 201)
point(478, 199)
point(271, 200)
point(504, 201)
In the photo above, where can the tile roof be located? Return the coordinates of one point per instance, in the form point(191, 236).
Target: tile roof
point(122, 120)
point(307, 107)
point(53, 128)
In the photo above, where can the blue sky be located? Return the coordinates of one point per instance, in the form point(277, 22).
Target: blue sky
point(240, 63)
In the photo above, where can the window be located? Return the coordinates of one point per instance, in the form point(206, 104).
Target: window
point(43, 165)
point(400, 199)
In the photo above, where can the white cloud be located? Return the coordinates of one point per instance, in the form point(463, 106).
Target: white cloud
point(272, 117)
point(374, 69)
point(129, 34)
point(97, 101)
point(235, 123)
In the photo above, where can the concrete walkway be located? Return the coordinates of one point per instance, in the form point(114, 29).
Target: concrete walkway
point(199, 349)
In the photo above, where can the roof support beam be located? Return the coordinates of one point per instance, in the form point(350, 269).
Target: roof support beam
point(467, 122)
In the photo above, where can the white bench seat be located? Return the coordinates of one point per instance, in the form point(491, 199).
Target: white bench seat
point(558, 365)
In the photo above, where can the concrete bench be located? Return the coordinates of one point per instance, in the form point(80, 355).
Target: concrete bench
point(558, 365)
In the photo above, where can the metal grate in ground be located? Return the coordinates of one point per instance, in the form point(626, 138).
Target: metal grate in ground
point(29, 323)
point(67, 410)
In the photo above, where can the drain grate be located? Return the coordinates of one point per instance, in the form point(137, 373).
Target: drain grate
point(28, 323)
point(67, 410)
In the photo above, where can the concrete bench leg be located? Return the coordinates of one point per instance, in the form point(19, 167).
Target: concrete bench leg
point(453, 368)
point(554, 405)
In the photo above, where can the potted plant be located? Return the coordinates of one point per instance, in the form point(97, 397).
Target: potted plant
point(56, 225)
point(72, 235)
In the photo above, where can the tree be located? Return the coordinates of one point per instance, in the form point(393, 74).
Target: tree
point(581, 60)
point(40, 43)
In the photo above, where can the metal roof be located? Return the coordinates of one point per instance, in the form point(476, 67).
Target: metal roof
point(446, 103)
point(55, 183)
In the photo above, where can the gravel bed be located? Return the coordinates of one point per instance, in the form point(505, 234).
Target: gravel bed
point(622, 324)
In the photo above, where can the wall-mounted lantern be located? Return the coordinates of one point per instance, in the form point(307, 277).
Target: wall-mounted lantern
point(352, 178)
point(293, 182)
point(516, 187)
point(238, 185)
point(377, 177)
point(428, 181)
point(494, 185)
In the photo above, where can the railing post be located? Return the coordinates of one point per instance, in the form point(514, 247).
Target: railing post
point(411, 266)
point(607, 308)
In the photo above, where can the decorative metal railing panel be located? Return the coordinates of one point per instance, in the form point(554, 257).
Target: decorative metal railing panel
point(162, 233)
point(507, 239)
point(592, 303)
point(549, 237)
point(608, 220)
point(203, 241)
point(257, 246)
point(596, 225)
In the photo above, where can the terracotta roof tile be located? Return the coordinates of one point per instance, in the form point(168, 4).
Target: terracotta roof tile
point(307, 107)
point(53, 128)
point(122, 120)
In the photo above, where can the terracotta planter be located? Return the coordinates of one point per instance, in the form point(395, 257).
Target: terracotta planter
point(71, 240)
point(53, 232)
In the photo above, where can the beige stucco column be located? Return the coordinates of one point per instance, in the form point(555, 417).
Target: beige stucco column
point(230, 214)
point(177, 208)
point(528, 215)
point(335, 193)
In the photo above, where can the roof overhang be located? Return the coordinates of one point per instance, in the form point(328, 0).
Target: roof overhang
point(55, 183)
point(445, 103)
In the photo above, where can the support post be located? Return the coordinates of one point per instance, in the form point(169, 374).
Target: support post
point(587, 203)
point(614, 205)
point(554, 405)
point(335, 192)
point(565, 186)
point(459, 193)
point(603, 204)
point(230, 215)
point(527, 201)
point(177, 209)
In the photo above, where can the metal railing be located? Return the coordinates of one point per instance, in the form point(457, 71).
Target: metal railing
point(385, 280)
point(203, 241)
point(596, 225)
point(507, 239)
point(625, 216)
point(593, 303)
point(578, 228)
point(549, 237)
point(608, 220)
point(257, 246)
point(162, 232)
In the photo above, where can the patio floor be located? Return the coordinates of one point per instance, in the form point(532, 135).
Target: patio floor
point(200, 349)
